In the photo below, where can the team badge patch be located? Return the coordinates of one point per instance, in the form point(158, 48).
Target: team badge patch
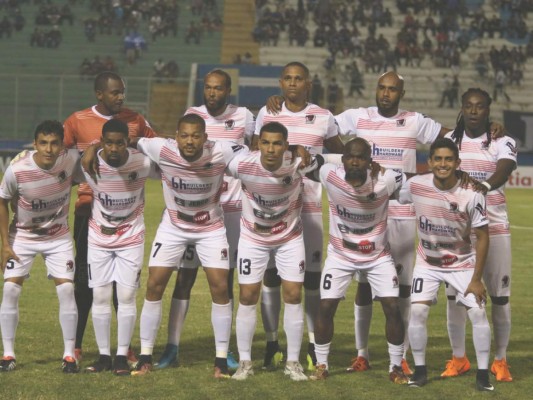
point(395, 282)
point(208, 165)
point(301, 266)
point(481, 210)
point(62, 176)
point(229, 124)
point(287, 180)
point(133, 176)
point(310, 119)
point(400, 122)
point(485, 144)
point(454, 207)
point(70, 266)
point(224, 254)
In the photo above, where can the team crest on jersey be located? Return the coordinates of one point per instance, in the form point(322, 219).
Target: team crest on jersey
point(485, 144)
point(505, 281)
point(372, 196)
point(395, 282)
point(224, 254)
point(224, 187)
point(287, 180)
point(316, 256)
point(208, 165)
point(481, 210)
point(62, 176)
point(229, 124)
point(310, 119)
point(301, 266)
point(454, 207)
point(133, 176)
point(70, 266)
point(400, 122)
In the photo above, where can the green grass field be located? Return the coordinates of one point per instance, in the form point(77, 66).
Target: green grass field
point(39, 345)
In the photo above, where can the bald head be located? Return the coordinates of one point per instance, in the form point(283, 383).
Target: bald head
point(389, 92)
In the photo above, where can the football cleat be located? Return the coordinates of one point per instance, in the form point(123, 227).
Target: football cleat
point(70, 366)
point(244, 371)
point(221, 373)
point(456, 366)
point(311, 357)
point(482, 381)
point(405, 367)
point(8, 364)
point(169, 356)
point(359, 364)
point(321, 373)
point(397, 376)
point(419, 378)
point(103, 363)
point(121, 366)
point(295, 371)
point(232, 362)
point(500, 369)
point(132, 358)
point(144, 366)
point(272, 360)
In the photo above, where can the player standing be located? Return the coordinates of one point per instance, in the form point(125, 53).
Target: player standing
point(83, 128)
point(314, 128)
point(224, 122)
point(491, 162)
point(358, 245)
point(37, 185)
point(270, 226)
point(446, 214)
point(116, 241)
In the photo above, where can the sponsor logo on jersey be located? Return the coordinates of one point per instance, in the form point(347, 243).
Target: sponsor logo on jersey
point(278, 228)
point(201, 217)
point(39, 204)
point(269, 216)
point(193, 188)
point(190, 203)
point(47, 231)
point(237, 148)
point(110, 203)
point(511, 147)
point(229, 124)
point(356, 231)
point(481, 209)
point(447, 259)
point(426, 244)
point(260, 200)
point(387, 153)
point(426, 225)
point(310, 119)
point(346, 214)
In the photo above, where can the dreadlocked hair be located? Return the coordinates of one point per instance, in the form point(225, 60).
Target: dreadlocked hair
point(459, 131)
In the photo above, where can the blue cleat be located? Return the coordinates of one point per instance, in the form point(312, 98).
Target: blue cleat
point(232, 363)
point(169, 356)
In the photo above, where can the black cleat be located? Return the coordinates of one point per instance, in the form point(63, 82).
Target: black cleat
point(103, 363)
point(121, 366)
point(70, 366)
point(273, 356)
point(482, 381)
point(144, 366)
point(8, 364)
point(419, 378)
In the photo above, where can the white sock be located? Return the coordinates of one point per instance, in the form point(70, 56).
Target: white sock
point(322, 353)
point(312, 301)
point(293, 324)
point(150, 321)
point(363, 317)
point(270, 310)
point(418, 334)
point(405, 311)
point(68, 316)
point(221, 321)
point(245, 326)
point(9, 316)
point(501, 324)
point(481, 336)
point(126, 317)
point(456, 322)
point(101, 311)
point(395, 354)
point(176, 319)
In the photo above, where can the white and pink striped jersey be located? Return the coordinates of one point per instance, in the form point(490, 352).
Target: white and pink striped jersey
point(117, 213)
point(192, 189)
point(309, 128)
point(358, 215)
point(393, 141)
point(444, 222)
point(235, 124)
point(40, 198)
point(480, 160)
point(272, 201)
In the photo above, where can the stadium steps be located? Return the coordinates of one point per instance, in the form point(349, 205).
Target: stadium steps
point(168, 102)
point(239, 21)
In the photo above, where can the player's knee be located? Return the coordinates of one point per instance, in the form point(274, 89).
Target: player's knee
point(499, 301)
point(390, 306)
point(292, 294)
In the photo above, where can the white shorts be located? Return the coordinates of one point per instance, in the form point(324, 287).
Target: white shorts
point(58, 257)
point(171, 243)
point(338, 274)
point(232, 222)
point(426, 283)
point(121, 266)
point(253, 259)
point(314, 241)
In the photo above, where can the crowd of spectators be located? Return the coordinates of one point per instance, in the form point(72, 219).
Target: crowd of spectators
point(90, 68)
point(168, 70)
